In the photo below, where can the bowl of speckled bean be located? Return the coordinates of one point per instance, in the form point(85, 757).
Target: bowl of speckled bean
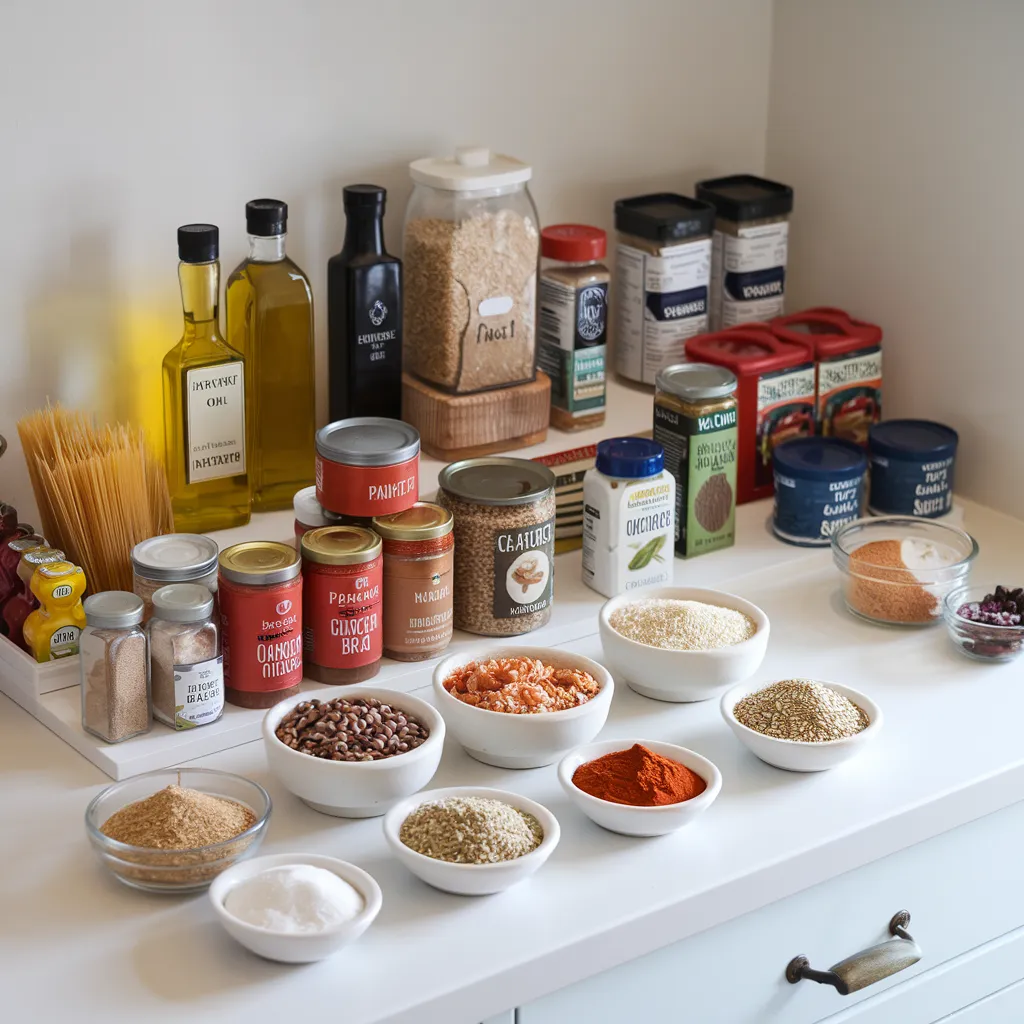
point(682, 644)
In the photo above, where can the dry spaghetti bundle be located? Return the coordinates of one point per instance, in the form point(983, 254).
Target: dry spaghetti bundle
point(99, 491)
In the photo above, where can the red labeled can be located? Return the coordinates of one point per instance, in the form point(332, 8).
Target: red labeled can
point(367, 466)
point(341, 598)
point(848, 354)
point(775, 392)
point(260, 599)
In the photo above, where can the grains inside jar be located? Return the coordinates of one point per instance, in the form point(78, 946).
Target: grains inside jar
point(471, 830)
point(521, 686)
point(801, 710)
point(681, 625)
point(363, 729)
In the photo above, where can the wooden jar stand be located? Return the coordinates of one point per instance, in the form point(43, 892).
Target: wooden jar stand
point(456, 427)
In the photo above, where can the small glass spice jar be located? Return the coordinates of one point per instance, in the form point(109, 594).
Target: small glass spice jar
point(187, 668)
point(341, 601)
point(418, 547)
point(260, 597)
point(173, 558)
point(115, 667)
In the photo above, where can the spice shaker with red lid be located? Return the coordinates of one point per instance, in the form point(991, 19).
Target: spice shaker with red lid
point(848, 353)
point(776, 391)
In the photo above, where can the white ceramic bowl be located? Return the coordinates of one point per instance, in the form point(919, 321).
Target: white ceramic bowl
point(796, 755)
point(523, 741)
point(355, 789)
point(296, 949)
point(471, 879)
point(640, 821)
point(682, 676)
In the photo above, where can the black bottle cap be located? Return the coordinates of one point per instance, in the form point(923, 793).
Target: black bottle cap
point(198, 243)
point(266, 217)
point(364, 197)
point(740, 197)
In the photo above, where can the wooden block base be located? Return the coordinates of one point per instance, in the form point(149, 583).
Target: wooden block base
point(456, 427)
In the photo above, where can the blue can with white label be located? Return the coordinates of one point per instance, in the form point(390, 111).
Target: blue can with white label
point(819, 486)
point(912, 464)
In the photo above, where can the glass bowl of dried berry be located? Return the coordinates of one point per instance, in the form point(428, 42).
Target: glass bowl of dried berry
point(986, 623)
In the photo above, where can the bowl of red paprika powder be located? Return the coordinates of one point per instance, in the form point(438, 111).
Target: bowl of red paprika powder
point(639, 787)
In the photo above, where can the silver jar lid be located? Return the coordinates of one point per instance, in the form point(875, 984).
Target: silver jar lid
point(695, 382)
point(175, 557)
point(368, 441)
point(497, 481)
point(183, 602)
point(308, 510)
point(113, 609)
point(260, 563)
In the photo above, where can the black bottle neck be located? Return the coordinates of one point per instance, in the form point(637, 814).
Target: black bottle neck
point(364, 232)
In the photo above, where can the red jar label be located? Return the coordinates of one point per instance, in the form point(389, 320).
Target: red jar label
point(367, 490)
point(261, 633)
point(342, 605)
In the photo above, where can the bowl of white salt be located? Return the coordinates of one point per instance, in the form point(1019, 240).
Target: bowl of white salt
point(682, 643)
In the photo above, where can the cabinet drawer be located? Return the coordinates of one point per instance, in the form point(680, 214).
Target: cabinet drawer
point(961, 888)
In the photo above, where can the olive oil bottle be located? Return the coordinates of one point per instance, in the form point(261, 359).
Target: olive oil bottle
point(270, 321)
point(204, 399)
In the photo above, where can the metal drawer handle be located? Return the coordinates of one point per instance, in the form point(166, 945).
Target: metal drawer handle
point(866, 967)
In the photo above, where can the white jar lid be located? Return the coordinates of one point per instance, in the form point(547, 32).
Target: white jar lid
point(472, 169)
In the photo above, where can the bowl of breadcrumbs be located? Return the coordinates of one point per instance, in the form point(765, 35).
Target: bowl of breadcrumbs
point(682, 643)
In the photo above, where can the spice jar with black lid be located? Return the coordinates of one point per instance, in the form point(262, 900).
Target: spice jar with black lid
point(751, 238)
point(662, 272)
point(115, 667)
point(504, 514)
point(186, 663)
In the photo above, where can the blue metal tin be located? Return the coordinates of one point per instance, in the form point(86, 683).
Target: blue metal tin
point(912, 464)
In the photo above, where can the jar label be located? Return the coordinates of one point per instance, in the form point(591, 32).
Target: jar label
point(261, 633)
point(810, 511)
point(523, 569)
point(700, 452)
point(342, 605)
point(911, 487)
point(366, 491)
point(573, 329)
point(64, 642)
point(215, 431)
point(785, 410)
point(418, 603)
point(198, 693)
point(748, 274)
point(661, 301)
point(850, 395)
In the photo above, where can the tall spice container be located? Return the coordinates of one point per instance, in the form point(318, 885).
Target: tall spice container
point(364, 313)
point(270, 321)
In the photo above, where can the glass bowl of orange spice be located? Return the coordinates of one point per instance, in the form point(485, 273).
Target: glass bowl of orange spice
point(639, 787)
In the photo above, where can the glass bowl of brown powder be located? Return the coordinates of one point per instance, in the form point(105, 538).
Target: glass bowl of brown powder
point(175, 830)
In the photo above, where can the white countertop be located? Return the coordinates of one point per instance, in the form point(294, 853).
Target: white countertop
point(77, 945)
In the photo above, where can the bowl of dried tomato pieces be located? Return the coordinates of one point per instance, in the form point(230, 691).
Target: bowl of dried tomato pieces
point(522, 707)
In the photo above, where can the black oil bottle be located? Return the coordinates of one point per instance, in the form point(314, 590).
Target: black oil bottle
point(364, 314)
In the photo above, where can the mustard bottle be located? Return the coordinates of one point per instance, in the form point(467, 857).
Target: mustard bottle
point(52, 630)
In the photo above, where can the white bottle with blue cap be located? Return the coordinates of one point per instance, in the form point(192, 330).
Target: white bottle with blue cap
point(629, 505)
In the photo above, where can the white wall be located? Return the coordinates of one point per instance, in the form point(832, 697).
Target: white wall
point(122, 120)
point(898, 122)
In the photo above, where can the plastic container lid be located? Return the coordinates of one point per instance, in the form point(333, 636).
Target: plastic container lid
point(113, 609)
point(630, 458)
point(175, 557)
point(472, 169)
point(183, 602)
point(198, 243)
point(340, 545)
point(308, 510)
point(750, 349)
point(912, 439)
point(820, 458)
point(257, 563)
point(573, 243)
point(424, 521)
point(497, 481)
point(368, 441)
point(829, 331)
point(739, 197)
point(696, 382)
point(664, 217)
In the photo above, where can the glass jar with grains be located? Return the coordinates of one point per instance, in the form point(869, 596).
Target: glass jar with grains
point(574, 323)
point(187, 666)
point(173, 558)
point(472, 247)
point(504, 514)
point(115, 667)
point(696, 421)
